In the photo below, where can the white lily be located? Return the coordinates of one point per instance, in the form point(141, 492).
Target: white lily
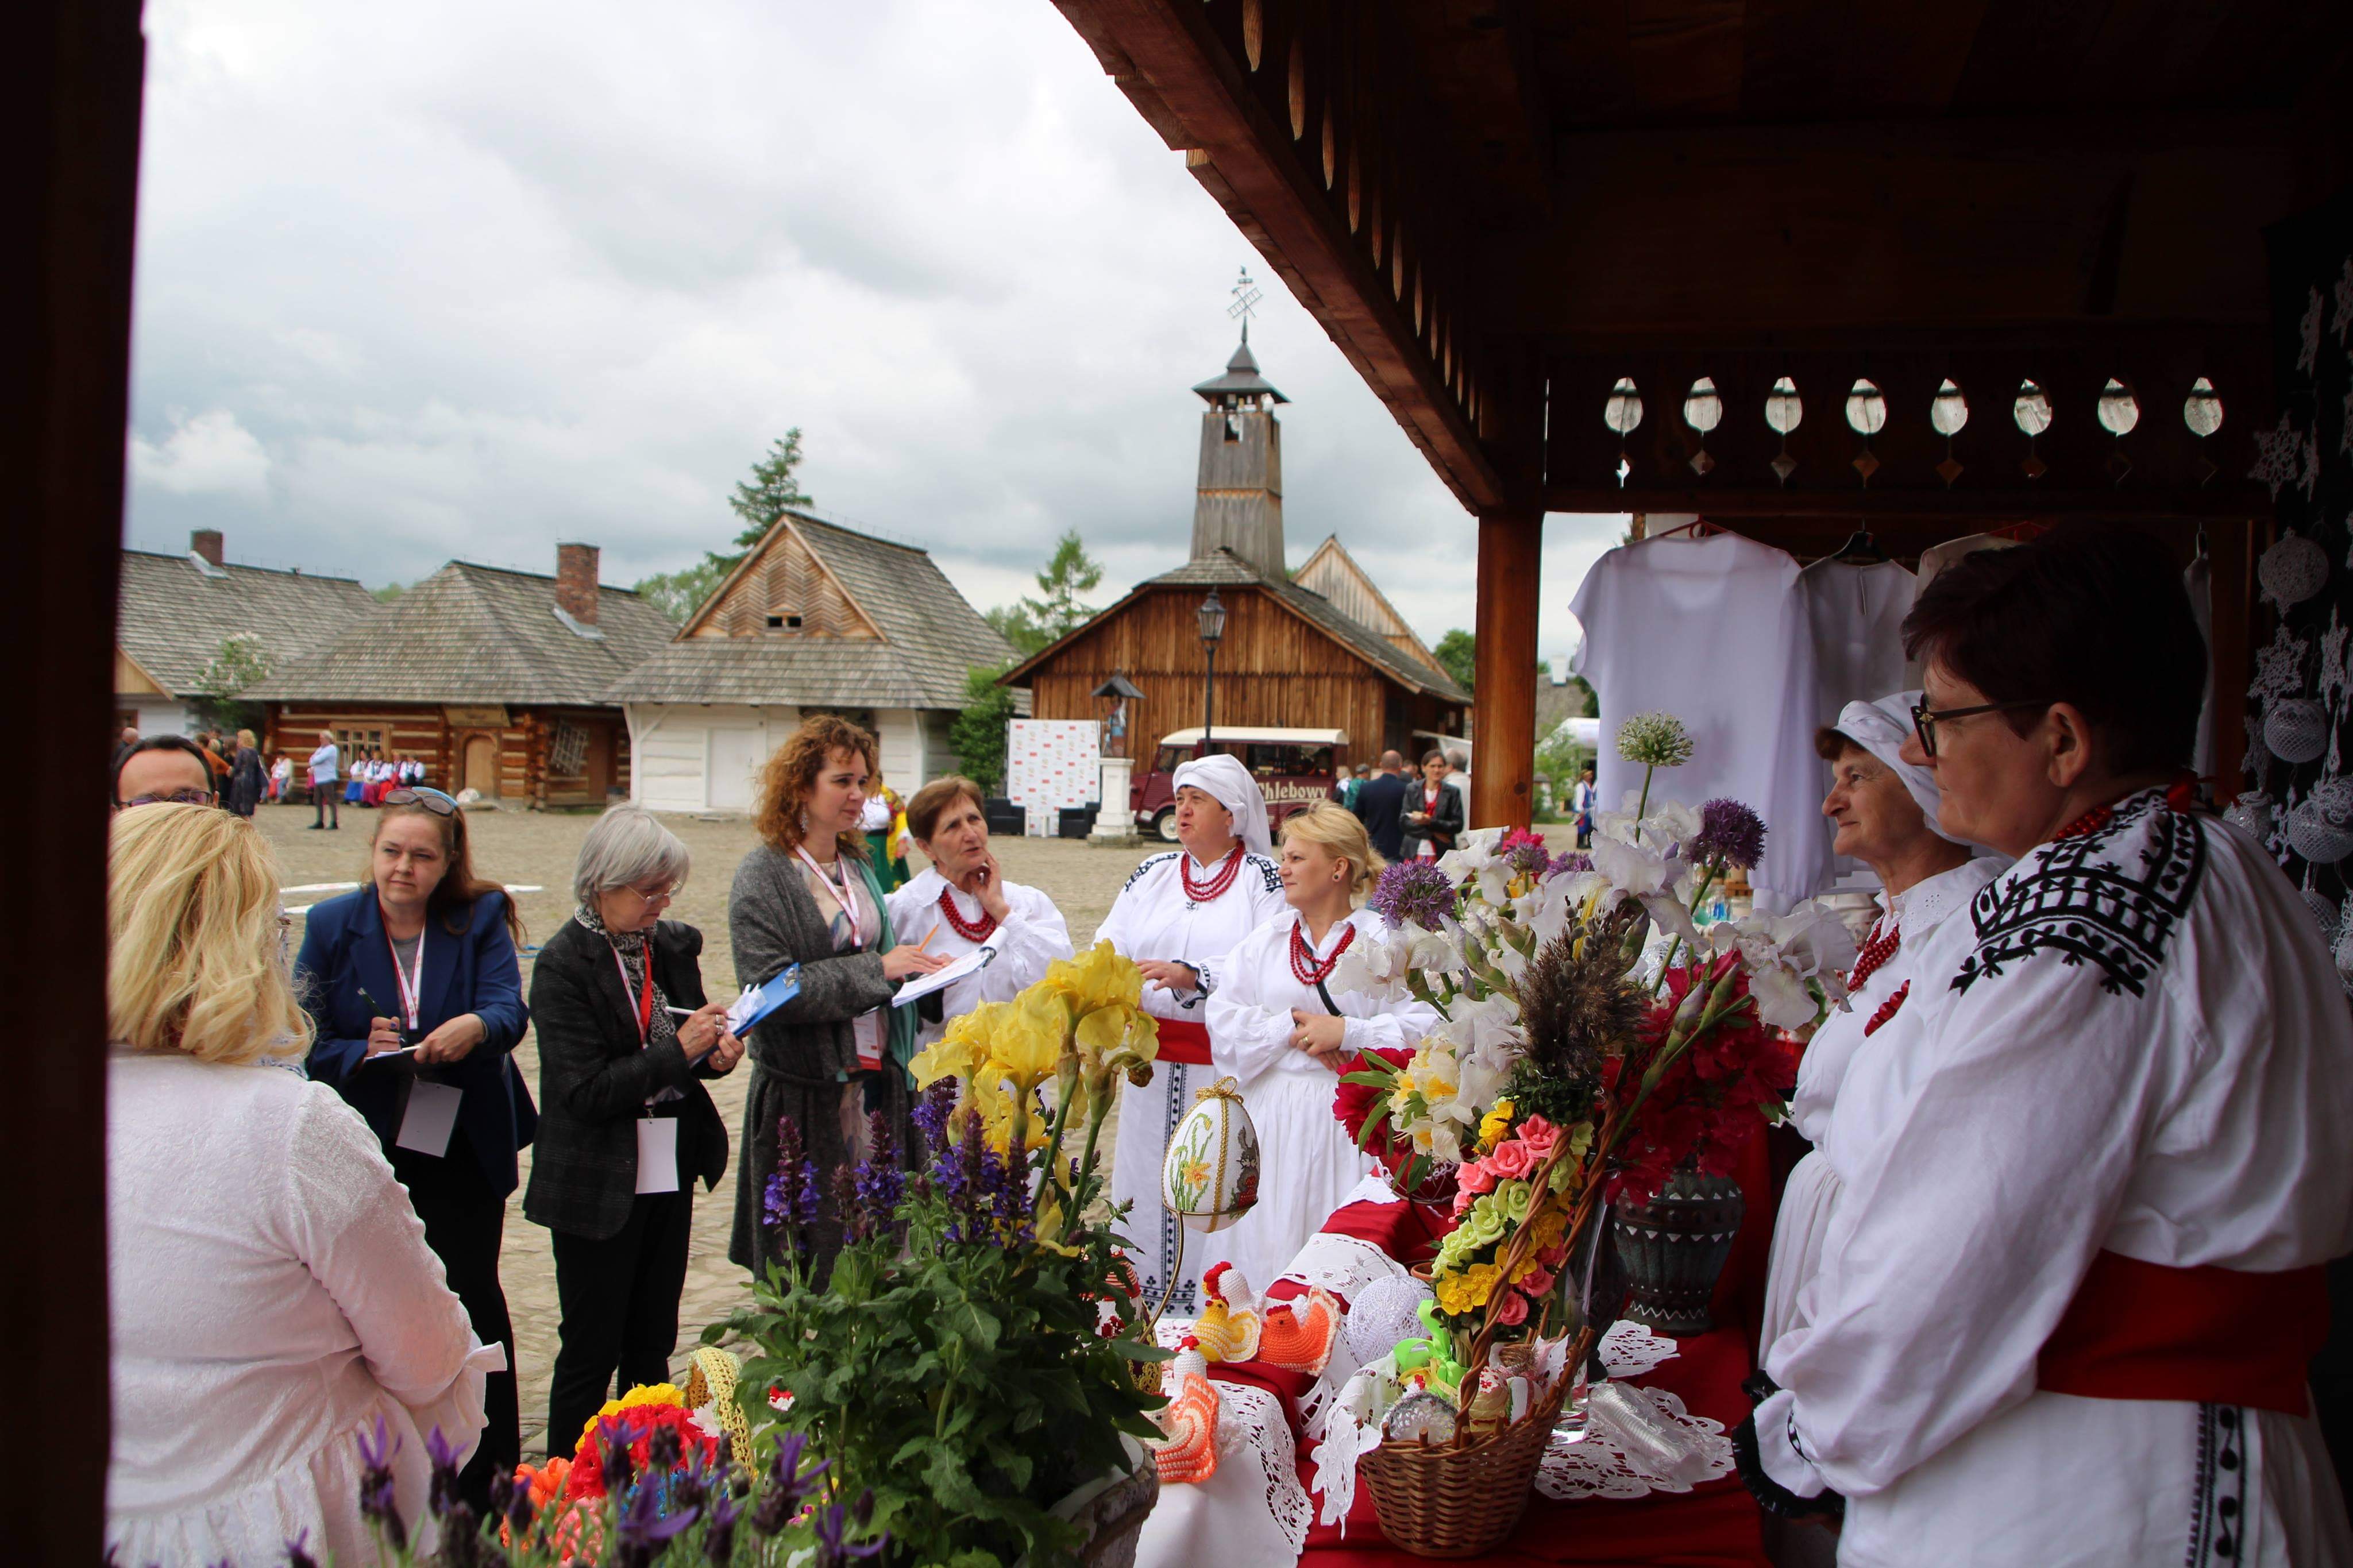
point(1473, 860)
point(1435, 951)
point(1783, 953)
point(1374, 965)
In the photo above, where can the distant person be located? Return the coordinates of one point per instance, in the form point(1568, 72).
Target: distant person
point(361, 770)
point(281, 776)
point(421, 958)
point(273, 1301)
point(1433, 813)
point(163, 769)
point(247, 781)
point(325, 771)
point(621, 1071)
point(1580, 805)
point(1381, 803)
point(883, 820)
point(1458, 777)
point(1350, 782)
point(124, 741)
point(209, 742)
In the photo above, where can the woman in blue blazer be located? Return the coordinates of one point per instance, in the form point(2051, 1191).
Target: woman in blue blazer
point(423, 956)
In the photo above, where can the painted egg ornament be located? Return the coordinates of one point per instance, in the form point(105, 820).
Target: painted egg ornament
point(1209, 1177)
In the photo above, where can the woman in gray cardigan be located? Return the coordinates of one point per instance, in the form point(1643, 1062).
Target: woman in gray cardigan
point(806, 895)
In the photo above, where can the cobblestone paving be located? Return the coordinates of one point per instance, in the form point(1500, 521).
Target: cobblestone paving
point(538, 848)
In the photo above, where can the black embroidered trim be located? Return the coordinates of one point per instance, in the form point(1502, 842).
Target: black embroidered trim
point(1771, 1495)
point(2079, 902)
point(1165, 1256)
point(2218, 1503)
point(1149, 862)
point(1267, 871)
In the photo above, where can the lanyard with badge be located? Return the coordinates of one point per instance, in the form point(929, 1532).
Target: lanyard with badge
point(656, 1135)
point(431, 1114)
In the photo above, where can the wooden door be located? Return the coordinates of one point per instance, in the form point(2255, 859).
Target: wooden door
point(482, 769)
point(733, 758)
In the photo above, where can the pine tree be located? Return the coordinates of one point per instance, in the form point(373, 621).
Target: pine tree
point(1070, 573)
point(767, 495)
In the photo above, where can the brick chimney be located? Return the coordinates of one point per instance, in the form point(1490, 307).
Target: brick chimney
point(575, 582)
point(206, 542)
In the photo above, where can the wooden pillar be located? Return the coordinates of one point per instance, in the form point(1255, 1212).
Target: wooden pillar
point(1503, 713)
point(70, 103)
point(2231, 549)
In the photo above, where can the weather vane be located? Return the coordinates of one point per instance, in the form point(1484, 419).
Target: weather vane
point(1246, 298)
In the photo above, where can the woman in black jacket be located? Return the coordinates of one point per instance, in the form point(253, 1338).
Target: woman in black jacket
point(626, 1127)
point(1433, 812)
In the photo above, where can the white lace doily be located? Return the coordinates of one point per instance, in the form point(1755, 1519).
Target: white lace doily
point(1628, 1350)
point(1343, 1265)
point(1372, 1189)
point(1252, 1434)
point(1590, 1467)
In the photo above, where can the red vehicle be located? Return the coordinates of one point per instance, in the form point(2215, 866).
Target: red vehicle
point(1293, 767)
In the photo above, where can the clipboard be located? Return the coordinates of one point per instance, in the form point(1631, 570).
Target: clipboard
point(923, 985)
point(758, 1001)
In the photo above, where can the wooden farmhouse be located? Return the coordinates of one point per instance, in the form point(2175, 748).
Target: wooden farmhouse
point(495, 678)
point(176, 611)
point(1322, 650)
point(816, 619)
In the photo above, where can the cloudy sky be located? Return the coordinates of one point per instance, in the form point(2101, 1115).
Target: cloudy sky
point(434, 280)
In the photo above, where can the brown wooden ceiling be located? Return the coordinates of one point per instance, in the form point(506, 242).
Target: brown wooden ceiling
point(1492, 203)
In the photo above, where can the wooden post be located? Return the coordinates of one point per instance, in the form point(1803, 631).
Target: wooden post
point(71, 107)
point(2231, 548)
point(1504, 712)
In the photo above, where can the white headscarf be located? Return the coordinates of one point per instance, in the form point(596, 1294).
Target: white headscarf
point(1880, 728)
point(1229, 783)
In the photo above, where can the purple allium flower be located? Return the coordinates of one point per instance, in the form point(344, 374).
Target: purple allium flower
point(1525, 854)
point(1729, 832)
point(1570, 864)
point(1414, 891)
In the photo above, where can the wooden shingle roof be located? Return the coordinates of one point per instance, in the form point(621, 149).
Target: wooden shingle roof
point(927, 637)
point(472, 634)
point(174, 613)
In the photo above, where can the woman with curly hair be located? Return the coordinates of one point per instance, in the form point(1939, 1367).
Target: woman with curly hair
point(807, 895)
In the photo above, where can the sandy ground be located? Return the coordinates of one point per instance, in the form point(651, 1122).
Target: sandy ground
point(530, 847)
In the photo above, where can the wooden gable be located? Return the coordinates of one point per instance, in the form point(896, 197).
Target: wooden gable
point(1335, 574)
point(782, 589)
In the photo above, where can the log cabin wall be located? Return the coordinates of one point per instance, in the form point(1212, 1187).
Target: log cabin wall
point(439, 736)
point(1273, 669)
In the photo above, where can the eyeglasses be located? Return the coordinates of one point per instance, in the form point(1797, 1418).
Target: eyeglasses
point(432, 800)
point(1926, 719)
point(659, 896)
point(176, 797)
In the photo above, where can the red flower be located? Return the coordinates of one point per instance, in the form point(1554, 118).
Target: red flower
point(1353, 1103)
point(1712, 1099)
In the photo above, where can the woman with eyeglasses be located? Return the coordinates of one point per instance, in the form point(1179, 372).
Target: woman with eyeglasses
point(2069, 1300)
point(626, 1038)
point(413, 985)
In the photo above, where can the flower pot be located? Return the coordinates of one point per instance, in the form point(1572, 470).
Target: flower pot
point(1112, 1508)
point(1674, 1246)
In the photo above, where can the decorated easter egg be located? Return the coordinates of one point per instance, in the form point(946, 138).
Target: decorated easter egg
point(1210, 1174)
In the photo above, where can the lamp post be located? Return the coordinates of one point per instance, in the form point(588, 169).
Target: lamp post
point(1212, 617)
point(1114, 817)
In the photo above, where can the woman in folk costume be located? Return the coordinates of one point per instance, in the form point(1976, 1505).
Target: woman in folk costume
point(1884, 809)
point(961, 902)
point(1178, 914)
point(1284, 1028)
point(2068, 1298)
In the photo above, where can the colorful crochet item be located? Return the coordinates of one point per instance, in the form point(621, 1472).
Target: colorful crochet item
point(1229, 1326)
point(1190, 1451)
point(1296, 1335)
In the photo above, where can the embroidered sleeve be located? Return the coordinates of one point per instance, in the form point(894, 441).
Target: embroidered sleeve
point(2113, 899)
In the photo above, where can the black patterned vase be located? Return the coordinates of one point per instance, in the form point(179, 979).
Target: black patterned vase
point(1674, 1246)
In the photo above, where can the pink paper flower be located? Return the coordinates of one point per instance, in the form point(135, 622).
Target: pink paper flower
point(1551, 1257)
point(1536, 1281)
point(1539, 1135)
point(1510, 1160)
point(1474, 1179)
point(1514, 1311)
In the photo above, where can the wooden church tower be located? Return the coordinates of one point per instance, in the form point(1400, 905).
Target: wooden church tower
point(1238, 502)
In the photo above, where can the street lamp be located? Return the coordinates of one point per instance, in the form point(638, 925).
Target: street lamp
point(1212, 617)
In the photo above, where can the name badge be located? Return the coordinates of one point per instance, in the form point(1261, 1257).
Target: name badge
point(432, 1114)
point(656, 1153)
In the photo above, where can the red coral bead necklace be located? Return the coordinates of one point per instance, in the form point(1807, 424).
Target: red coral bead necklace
point(1304, 965)
point(1220, 880)
point(971, 931)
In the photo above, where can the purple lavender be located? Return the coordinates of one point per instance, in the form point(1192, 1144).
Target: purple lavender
point(644, 1527)
point(613, 1438)
point(719, 1538)
point(1414, 891)
point(787, 1484)
point(377, 1503)
point(298, 1551)
point(833, 1523)
point(443, 1495)
point(1729, 833)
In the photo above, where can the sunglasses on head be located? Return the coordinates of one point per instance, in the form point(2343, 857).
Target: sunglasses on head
point(432, 800)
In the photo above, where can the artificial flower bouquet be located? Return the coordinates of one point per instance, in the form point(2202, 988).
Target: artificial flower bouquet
point(969, 1358)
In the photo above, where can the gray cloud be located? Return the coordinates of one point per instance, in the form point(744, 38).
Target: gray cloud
point(442, 280)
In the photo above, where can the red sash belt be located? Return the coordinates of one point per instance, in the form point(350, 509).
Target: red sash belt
point(1184, 1044)
point(2224, 1336)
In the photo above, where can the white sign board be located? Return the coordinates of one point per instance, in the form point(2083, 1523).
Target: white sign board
point(1051, 764)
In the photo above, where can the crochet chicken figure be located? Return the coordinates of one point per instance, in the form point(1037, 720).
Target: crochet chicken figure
point(1296, 1335)
point(1190, 1451)
point(1228, 1328)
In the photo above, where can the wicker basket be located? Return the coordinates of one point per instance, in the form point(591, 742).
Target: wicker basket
point(1439, 1501)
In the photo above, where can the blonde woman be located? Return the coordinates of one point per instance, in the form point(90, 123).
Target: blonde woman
point(1281, 1026)
point(273, 1301)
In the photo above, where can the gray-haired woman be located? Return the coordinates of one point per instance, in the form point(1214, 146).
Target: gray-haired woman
point(625, 1127)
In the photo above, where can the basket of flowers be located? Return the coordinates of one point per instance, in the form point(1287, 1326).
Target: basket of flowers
point(1594, 1038)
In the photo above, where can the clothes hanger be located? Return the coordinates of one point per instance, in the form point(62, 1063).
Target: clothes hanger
point(1861, 549)
point(1698, 528)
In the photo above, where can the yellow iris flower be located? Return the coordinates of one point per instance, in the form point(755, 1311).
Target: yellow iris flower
point(1099, 977)
point(1028, 1041)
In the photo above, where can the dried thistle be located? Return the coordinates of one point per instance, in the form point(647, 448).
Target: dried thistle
point(1579, 1008)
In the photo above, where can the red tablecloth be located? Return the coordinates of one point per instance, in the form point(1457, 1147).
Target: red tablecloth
point(1715, 1525)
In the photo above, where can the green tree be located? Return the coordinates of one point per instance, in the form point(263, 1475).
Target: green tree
point(388, 593)
point(978, 732)
point(767, 495)
point(239, 664)
point(1068, 573)
point(1016, 625)
point(1458, 655)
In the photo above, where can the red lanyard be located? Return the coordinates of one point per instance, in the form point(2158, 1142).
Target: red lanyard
point(641, 998)
point(412, 986)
